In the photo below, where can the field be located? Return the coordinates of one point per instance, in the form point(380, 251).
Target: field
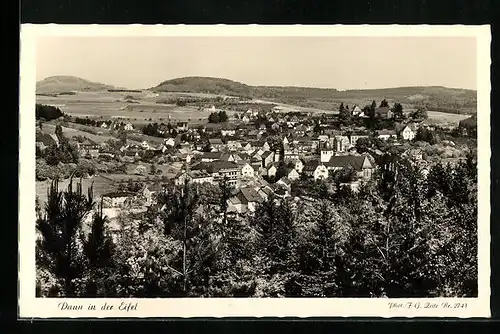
point(140, 109)
point(437, 117)
point(101, 186)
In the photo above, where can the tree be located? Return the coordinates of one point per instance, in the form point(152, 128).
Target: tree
point(373, 106)
point(384, 104)
point(180, 204)
point(317, 128)
point(58, 249)
point(226, 191)
point(420, 113)
point(344, 114)
point(274, 223)
point(59, 132)
point(398, 112)
point(363, 144)
point(98, 248)
point(319, 248)
point(47, 112)
point(424, 134)
point(153, 169)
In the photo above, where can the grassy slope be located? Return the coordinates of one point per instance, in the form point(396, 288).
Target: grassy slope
point(436, 98)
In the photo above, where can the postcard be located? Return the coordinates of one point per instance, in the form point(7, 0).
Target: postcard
point(254, 171)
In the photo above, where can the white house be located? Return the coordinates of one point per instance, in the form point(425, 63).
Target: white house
point(409, 132)
point(271, 171)
point(293, 175)
point(321, 172)
point(128, 127)
point(247, 170)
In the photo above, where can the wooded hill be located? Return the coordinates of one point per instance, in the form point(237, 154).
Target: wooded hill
point(61, 83)
point(434, 97)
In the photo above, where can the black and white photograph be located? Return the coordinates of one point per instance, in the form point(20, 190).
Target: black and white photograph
point(249, 167)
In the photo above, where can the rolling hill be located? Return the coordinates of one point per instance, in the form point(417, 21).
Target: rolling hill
point(436, 98)
point(59, 83)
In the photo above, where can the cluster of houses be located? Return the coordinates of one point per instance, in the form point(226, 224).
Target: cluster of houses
point(254, 162)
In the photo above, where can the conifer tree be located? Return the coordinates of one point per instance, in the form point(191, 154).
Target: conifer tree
point(59, 246)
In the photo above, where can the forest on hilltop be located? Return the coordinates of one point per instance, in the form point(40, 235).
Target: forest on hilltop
point(435, 98)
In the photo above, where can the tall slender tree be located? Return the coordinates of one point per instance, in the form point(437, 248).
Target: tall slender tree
point(59, 245)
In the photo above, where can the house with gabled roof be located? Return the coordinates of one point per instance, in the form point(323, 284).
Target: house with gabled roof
point(356, 110)
point(271, 170)
point(360, 163)
point(267, 158)
point(247, 171)
point(315, 169)
point(409, 131)
point(246, 199)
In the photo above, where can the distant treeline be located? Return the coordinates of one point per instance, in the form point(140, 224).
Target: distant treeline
point(47, 112)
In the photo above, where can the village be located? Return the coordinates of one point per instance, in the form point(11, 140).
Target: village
point(259, 152)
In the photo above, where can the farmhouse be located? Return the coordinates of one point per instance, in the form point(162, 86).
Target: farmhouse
point(246, 199)
point(356, 110)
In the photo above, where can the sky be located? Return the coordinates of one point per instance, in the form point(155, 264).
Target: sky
point(326, 62)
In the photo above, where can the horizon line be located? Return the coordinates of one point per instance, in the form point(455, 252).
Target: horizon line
point(261, 85)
